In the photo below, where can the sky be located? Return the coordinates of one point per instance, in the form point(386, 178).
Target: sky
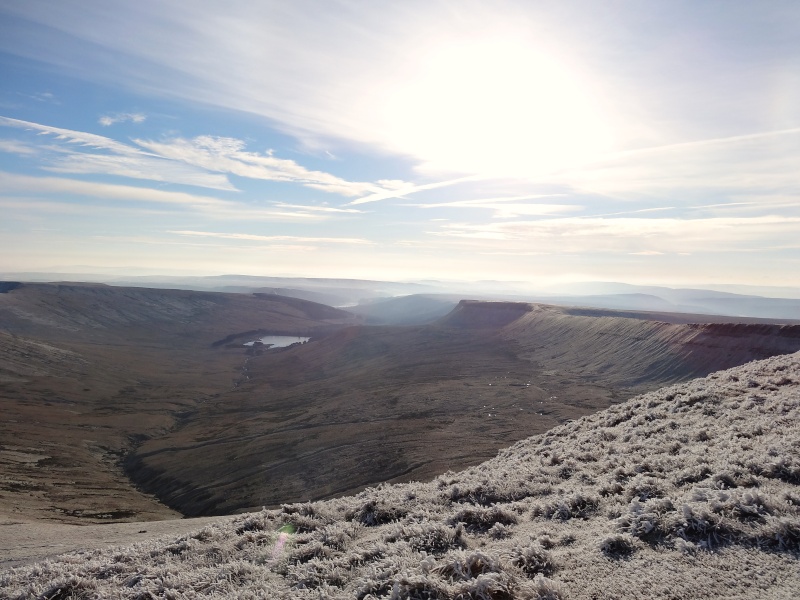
point(644, 141)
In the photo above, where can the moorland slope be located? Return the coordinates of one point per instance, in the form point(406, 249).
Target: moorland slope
point(373, 404)
point(690, 491)
point(627, 349)
point(125, 404)
point(88, 371)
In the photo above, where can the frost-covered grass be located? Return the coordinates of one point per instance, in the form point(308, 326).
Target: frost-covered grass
point(692, 491)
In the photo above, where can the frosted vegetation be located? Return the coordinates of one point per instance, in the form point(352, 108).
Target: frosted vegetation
point(692, 491)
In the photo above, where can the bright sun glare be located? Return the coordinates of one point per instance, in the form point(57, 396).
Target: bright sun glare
point(495, 107)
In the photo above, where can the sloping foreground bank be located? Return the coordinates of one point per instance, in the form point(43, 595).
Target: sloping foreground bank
point(692, 491)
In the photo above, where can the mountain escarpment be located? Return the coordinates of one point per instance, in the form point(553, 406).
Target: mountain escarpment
point(373, 404)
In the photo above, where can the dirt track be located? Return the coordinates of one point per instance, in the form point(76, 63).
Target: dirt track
point(26, 542)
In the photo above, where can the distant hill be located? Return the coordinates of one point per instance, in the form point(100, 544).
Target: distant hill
point(664, 299)
point(416, 309)
point(55, 309)
point(740, 301)
point(337, 292)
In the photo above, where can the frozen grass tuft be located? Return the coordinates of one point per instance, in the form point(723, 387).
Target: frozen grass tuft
point(480, 520)
point(373, 512)
point(617, 545)
point(533, 559)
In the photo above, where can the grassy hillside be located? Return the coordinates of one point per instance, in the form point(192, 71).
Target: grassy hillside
point(627, 350)
point(691, 491)
point(89, 371)
point(137, 404)
point(374, 404)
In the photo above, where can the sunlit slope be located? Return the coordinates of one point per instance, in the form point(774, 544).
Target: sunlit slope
point(691, 491)
point(88, 371)
point(372, 404)
point(624, 349)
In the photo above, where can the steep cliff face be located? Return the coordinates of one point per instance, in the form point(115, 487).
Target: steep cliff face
point(631, 351)
point(475, 314)
point(760, 339)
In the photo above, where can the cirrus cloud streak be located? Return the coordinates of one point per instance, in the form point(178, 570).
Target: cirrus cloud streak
point(632, 235)
point(249, 237)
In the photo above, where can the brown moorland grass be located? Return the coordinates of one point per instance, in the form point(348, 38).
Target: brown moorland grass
point(88, 371)
point(385, 404)
point(95, 377)
point(691, 491)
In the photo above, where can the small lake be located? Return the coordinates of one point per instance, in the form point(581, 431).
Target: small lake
point(279, 341)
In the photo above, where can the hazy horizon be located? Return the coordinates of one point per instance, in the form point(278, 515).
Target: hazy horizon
point(652, 143)
point(770, 302)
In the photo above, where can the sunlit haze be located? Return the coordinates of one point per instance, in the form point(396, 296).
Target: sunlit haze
point(649, 142)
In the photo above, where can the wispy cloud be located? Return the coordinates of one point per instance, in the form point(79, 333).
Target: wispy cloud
point(228, 155)
point(322, 209)
point(197, 243)
point(506, 207)
point(85, 153)
point(27, 206)
point(480, 201)
point(204, 161)
point(513, 210)
point(15, 147)
point(399, 191)
point(704, 143)
point(11, 182)
point(113, 119)
point(154, 241)
point(631, 235)
point(47, 97)
point(515, 253)
point(759, 163)
point(82, 138)
point(248, 212)
point(111, 194)
point(655, 209)
point(274, 238)
point(137, 167)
